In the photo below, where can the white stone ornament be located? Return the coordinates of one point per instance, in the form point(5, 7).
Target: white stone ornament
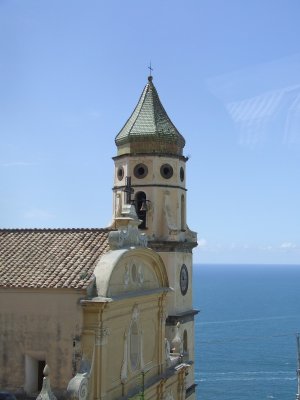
point(128, 234)
point(177, 342)
point(78, 387)
point(167, 352)
point(46, 392)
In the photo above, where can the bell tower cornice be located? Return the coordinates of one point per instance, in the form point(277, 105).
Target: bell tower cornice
point(176, 156)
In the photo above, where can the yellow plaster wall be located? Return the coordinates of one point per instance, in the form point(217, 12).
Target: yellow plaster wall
point(117, 319)
point(40, 324)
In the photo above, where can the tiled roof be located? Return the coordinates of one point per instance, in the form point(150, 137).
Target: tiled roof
point(50, 258)
point(149, 121)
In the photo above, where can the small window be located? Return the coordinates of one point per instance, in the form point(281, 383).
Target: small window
point(166, 171)
point(181, 174)
point(120, 173)
point(140, 171)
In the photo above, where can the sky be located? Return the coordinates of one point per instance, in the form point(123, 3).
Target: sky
point(227, 72)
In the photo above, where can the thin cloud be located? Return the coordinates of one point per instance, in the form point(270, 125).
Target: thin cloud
point(288, 246)
point(267, 248)
point(202, 242)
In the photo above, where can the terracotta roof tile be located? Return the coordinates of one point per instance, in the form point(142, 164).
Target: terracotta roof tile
point(60, 258)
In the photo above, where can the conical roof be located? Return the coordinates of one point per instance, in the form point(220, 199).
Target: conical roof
point(149, 129)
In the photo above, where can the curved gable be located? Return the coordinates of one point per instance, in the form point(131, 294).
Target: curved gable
point(126, 271)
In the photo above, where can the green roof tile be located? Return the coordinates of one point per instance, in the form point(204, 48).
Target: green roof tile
point(149, 129)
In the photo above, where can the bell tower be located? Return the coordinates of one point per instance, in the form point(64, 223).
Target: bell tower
point(150, 172)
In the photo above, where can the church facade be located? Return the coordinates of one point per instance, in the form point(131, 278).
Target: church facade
point(107, 313)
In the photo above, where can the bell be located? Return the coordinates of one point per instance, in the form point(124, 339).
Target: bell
point(144, 206)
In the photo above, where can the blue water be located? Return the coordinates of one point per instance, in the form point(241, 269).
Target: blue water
point(245, 346)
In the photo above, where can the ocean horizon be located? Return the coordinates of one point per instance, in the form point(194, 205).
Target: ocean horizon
point(245, 332)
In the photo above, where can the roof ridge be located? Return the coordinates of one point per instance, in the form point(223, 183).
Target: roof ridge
point(55, 229)
point(136, 111)
point(147, 91)
point(165, 114)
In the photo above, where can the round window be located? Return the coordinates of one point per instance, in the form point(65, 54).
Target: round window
point(166, 171)
point(181, 174)
point(120, 173)
point(140, 171)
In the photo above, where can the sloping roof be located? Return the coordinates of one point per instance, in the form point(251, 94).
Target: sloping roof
point(50, 258)
point(149, 122)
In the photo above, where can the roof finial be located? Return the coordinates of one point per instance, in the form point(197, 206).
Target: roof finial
point(150, 77)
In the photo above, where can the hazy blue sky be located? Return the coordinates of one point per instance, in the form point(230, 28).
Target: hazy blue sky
point(228, 74)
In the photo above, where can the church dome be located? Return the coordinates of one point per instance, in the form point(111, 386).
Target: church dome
point(149, 129)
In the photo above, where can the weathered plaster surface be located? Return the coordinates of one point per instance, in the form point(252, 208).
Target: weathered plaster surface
point(43, 325)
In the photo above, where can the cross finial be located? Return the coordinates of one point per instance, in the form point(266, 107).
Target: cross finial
point(128, 189)
point(150, 69)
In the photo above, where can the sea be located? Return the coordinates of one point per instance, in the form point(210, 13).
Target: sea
point(245, 332)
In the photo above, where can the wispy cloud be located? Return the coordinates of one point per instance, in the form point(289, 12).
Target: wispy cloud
point(245, 247)
point(202, 242)
point(266, 248)
point(288, 246)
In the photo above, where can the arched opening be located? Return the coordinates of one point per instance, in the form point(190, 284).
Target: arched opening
point(140, 199)
point(183, 223)
point(185, 342)
point(33, 374)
